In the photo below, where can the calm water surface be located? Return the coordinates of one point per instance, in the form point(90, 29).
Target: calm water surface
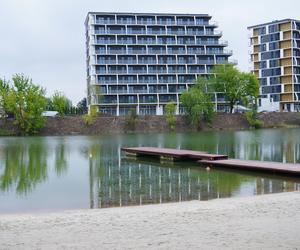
point(55, 173)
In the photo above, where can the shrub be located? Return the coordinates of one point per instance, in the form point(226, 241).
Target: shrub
point(170, 115)
point(90, 117)
point(130, 120)
point(252, 119)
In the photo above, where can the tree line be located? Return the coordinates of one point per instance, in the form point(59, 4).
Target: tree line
point(25, 101)
point(239, 88)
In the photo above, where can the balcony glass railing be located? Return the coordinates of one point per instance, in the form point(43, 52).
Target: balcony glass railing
point(105, 41)
point(117, 91)
point(157, 32)
point(116, 51)
point(163, 22)
point(117, 72)
point(145, 21)
point(116, 32)
point(100, 52)
point(152, 51)
point(108, 21)
point(126, 62)
point(205, 61)
point(138, 91)
point(137, 71)
point(180, 22)
point(128, 21)
point(126, 42)
point(147, 62)
point(157, 71)
point(139, 32)
point(148, 100)
point(194, 71)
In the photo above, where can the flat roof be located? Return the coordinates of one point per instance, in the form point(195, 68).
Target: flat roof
point(273, 22)
point(147, 14)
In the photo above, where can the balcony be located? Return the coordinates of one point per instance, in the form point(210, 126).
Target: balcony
point(116, 52)
point(106, 21)
point(136, 32)
point(156, 32)
point(106, 62)
point(164, 22)
point(137, 71)
point(126, 62)
point(181, 22)
point(146, 22)
point(206, 62)
point(106, 41)
point(117, 72)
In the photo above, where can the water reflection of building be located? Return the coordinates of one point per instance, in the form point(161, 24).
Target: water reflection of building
point(124, 183)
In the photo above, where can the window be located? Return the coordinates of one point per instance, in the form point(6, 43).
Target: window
point(274, 46)
point(262, 31)
point(263, 64)
point(274, 80)
point(273, 28)
point(263, 81)
point(270, 55)
point(263, 47)
point(271, 72)
point(274, 63)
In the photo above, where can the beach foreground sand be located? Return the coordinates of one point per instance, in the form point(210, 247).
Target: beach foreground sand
point(260, 222)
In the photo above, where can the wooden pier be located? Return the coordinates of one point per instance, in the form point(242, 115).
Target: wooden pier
point(215, 160)
point(174, 154)
point(263, 166)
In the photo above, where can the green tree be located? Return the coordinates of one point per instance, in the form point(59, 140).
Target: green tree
point(197, 101)
point(4, 90)
point(60, 103)
point(82, 106)
point(27, 102)
point(170, 114)
point(236, 85)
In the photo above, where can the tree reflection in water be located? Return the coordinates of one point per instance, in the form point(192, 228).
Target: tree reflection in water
point(117, 181)
point(26, 163)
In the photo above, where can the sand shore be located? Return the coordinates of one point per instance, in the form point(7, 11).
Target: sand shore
point(261, 222)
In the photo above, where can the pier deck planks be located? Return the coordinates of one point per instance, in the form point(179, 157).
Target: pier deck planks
point(175, 153)
point(216, 160)
point(266, 166)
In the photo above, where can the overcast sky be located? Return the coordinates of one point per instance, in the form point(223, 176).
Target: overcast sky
point(45, 39)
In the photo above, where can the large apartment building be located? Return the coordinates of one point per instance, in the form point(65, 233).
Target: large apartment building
point(142, 61)
point(275, 56)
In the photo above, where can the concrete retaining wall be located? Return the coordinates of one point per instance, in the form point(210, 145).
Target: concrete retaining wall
point(74, 125)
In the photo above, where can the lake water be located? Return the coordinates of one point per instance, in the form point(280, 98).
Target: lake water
point(75, 172)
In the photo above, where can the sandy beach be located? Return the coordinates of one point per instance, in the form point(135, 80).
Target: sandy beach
point(260, 222)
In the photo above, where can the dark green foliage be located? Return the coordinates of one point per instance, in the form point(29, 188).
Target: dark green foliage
point(170, 114)
point(237, 85)
point(197, 102)
point(253, 120)
point(130, 120)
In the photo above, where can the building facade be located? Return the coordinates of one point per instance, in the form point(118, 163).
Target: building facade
point(143, 61)
point(275, 57)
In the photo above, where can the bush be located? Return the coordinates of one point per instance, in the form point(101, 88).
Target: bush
point(90, 117)
point(252, 119)
point(170, 115)
point(130, 120)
